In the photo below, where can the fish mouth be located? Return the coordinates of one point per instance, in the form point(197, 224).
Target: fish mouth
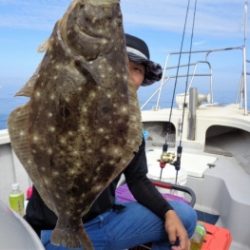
point(102, 2)
point(95, 23)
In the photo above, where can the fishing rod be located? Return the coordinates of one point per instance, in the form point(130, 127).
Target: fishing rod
point(166, 156)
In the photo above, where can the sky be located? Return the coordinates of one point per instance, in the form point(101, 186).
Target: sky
point(25, 24)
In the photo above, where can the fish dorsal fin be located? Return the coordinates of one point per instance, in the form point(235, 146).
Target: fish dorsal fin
point(44, 46)
point(28, 88)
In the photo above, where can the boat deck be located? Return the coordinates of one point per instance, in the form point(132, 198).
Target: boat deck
point(224, 190)
point(217, 162)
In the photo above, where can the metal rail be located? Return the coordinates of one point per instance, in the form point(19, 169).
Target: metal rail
point(167, 76)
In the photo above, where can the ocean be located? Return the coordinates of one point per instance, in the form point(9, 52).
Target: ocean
point(9, 102)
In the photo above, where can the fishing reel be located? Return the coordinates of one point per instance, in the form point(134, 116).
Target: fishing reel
point(167, 158)
point(171, 158)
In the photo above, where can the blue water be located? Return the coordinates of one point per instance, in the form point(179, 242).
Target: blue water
point(8, 88)
point(8, 102)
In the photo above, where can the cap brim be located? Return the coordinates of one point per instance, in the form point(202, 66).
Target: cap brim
point(153, 71)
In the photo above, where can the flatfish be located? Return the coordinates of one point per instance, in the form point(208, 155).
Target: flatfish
point(81, 125)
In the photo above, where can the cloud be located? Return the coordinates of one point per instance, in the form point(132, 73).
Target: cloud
point(214, 18)
point(30, 14)
point(217, 18)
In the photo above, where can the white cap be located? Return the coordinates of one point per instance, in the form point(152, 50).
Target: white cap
point(15, 186)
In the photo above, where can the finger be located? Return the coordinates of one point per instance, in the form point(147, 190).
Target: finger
point(183, 242)
point(172, 236)
point(175, 248)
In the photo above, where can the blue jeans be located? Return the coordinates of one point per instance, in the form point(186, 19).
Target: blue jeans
point(132, 226)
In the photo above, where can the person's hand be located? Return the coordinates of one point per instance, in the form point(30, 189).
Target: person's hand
point(176, 231)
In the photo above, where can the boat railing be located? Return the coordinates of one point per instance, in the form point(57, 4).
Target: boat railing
point(167, 76)
point(194, 75)
point(168, 68)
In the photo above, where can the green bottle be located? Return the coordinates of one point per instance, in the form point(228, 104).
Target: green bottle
point(198, 237)
point(16, 199)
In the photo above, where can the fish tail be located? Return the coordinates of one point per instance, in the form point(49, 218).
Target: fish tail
point(85, 241)
point(71, 238)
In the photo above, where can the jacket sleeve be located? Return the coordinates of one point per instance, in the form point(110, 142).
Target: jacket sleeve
point(141, 187)
point(38, 215)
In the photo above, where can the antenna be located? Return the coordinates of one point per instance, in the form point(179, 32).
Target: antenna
point(245, 57)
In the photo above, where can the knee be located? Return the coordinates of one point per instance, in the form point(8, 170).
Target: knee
point(191, 220)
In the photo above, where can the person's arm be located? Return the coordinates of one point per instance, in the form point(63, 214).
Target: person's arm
point(146, 193)
point(142, 188)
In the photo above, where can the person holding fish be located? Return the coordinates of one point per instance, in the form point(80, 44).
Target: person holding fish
point(112, 226)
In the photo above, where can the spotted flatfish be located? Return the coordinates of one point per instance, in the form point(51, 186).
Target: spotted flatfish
point(81, 125)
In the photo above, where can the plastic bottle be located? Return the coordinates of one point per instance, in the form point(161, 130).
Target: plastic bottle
point(198, 237)
point(16, 199)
